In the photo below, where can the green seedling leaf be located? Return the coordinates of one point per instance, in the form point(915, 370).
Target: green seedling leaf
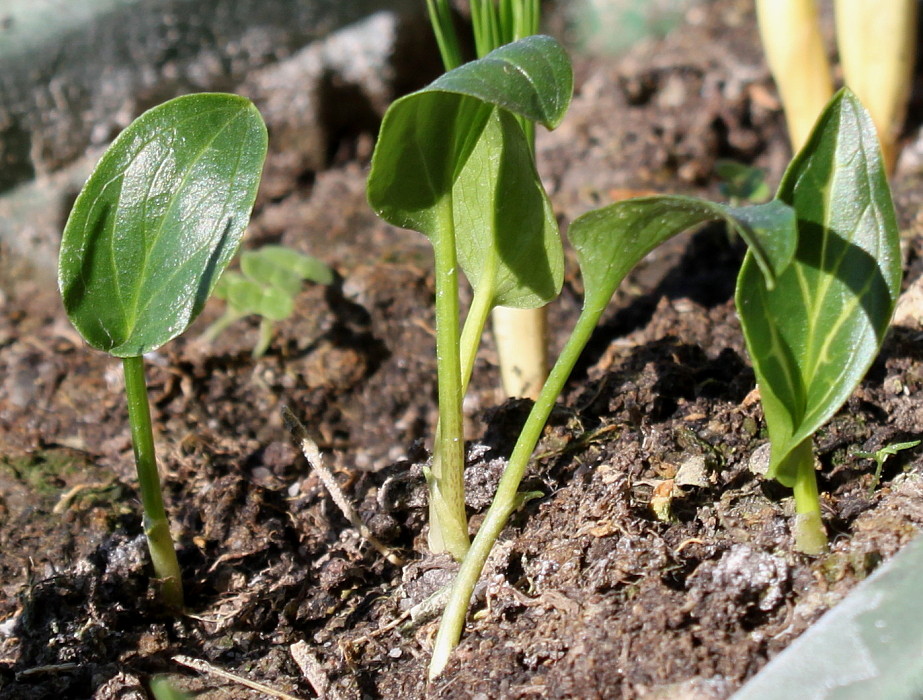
point(531, 77)
point(284, 268)
point(427, 136)
point(813, 337)
point(612, 240)
point(507, 234)
point(158, 221)
point(881, 456)
point(226, 282)
point(248, 297)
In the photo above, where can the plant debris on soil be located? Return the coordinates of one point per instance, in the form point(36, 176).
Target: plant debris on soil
point(656, 564)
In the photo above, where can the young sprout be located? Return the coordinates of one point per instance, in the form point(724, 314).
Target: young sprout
point(609, 242)
point(157, 222)
point(269, 280)
point(881, 456)
point(814, 335)
point(878, 70)
point(519, 333)
point(453, 163)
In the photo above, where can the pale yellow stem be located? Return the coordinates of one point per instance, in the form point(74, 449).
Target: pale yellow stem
point(522, 348)
point(877, 44)
point(796, 56)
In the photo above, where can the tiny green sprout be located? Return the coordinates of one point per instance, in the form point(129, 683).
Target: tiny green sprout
point(157, 222)
point(814, 335)
point(881, 456)
point(269, 280)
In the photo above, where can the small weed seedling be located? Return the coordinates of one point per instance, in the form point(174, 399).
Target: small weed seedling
point(881, 456)
point(157, 222)
point(266, 286)
point(814, 335)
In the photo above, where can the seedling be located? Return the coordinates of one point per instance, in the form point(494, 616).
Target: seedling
point(609, 242)
point(150, 233)
point(795, 52)
point(266, 286)
point(814, 335)
point(879, 72)
point(519, 333)
point(881, 456)
point(453, 163)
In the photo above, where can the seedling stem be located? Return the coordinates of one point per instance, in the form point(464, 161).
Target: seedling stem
point(810, 536)
point(508, 498)
point(448, 522)
point(156, 525)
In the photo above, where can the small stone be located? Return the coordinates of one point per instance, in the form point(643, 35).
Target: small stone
point(759, 460)
point(692, 472)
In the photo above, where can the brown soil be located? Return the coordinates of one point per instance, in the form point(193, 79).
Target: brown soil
point(589, 594)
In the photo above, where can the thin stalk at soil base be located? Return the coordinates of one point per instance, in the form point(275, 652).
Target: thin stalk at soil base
point(448, 529)
point(810, 535)
point(507, 498)
point(220, 325)
point(156, 525)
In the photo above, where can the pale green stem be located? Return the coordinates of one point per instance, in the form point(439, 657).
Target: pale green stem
point(448, 520)
point(470, 339)
point(810, 535)
point(475, 321)
point(156, 525)
point(506, 499)
point(220, 324)
point(265, 339)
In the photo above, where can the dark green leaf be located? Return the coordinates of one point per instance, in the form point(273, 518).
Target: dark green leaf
point(612, 240)
point(814, 336)
point(158, 221)
point(507, 234)
point(531, 77)
point(427, 137)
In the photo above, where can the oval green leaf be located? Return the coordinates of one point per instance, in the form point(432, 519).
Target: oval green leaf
point(610, 241)
point(813, 337)
point(426, 137)
point(531, 77)
point(158, 221)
